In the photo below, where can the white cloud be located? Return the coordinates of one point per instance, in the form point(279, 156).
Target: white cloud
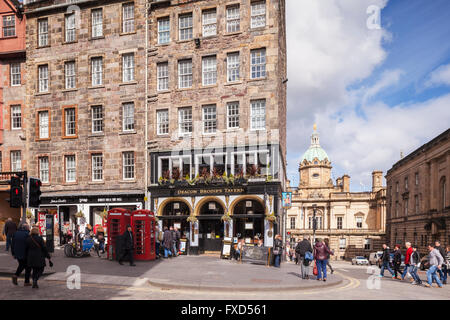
point(440, 76)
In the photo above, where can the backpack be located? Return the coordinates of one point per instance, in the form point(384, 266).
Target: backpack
point(309, 256)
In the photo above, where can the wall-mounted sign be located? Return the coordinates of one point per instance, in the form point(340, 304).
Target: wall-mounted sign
point(286, 199)
point(209, 191)
point(249, 226)
point(176, 205)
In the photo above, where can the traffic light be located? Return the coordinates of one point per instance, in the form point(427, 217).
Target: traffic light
point(15, 193)
point(34, 194)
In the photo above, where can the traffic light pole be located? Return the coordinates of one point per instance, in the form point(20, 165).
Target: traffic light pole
point(24, 197)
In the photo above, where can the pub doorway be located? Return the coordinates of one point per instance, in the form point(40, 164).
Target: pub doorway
point(248, 220)
point(175, 214)
point(211, 228)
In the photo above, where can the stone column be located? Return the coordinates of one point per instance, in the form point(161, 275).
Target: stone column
point(193, 238)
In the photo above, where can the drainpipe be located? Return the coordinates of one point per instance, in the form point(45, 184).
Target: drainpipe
point(147, 6)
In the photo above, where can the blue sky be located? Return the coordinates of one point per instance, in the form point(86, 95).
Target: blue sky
point(373, 93)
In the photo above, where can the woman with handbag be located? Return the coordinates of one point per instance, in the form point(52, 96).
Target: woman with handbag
point(321, 252)
point(277, 250)
point(36, 252)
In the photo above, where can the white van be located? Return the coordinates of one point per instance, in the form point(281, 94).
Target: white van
point(374, 257)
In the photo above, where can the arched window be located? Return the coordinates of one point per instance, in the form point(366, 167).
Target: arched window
point(443, 187)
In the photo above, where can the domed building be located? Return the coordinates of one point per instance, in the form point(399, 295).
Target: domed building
point(353, 222)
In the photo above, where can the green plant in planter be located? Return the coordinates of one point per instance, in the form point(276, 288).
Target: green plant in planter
point(192, 219)
point(29, 214)
point(79, 214)
point(231, 179)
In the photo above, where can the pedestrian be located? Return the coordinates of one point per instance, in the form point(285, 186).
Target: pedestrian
point(18, 250)
point(327, 243)
point(239, 247)
point(157, 241)
point(385, 259)
point(277, 250)
point(321, 253)
point(414, 265)
point(409, 251)
point(36, 252)
point(443, 271)
point(304, 247)
point(8, 230)
point(397, 261)
point(177, 240)
point(128, 246)
point(167, 242)
point(174, 240)
point(436, 261)
point(88, 233)
point(100, 234)
point(260, 243)
point(448, 262)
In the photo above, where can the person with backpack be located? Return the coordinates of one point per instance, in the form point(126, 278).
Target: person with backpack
point(304, 252)
point(18, 250)
point(414, 265)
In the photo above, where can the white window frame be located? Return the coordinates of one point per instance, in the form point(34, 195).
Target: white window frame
point(15, 74)
point(359, 220)
point(128, 118)
point(258, 14)
point(185, 120)
point(164, 30)
point(127, 164)
point(256, 117)
point(70, 122)
point(97, 71)
point(16, 161)
point(233, 67)
point(211, 156)
point(43, 78)
point(180, 159)
point(185, 76)
point(209, 70)
point(97, 167)
point(96, 120)
point(209, 119)
point(16, 117)
point(44, 128)
point(162, 76)
point(162, 122)
point(367, 244)
point(97, 23)
point(70, 165)
point(209, 22)
point(233, 18)
point(44, 169)
point(258, 61)
point(233, 116)
point(256, 154)
point(341, 219)
point(128, 18)
point(70, 75)
point(43, 32)
point(185, 26)
point(70, 27)
point(342, 243)
point(292, 222)
point(9, 24)
point(128, 67)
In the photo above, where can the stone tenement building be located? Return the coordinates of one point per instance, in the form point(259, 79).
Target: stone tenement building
point(354, 222)
point(218, 117)
point(86, 98)
point(12, 99)
point(418, 207)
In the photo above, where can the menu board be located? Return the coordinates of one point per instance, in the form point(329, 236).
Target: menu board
point(255, 254)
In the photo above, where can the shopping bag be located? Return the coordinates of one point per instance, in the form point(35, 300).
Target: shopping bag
point(315, 269)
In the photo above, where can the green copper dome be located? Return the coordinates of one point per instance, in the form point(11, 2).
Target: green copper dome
point(315, 150)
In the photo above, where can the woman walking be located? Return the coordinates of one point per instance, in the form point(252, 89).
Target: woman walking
point(277, 250)
point(321, 253)
point(327, 243)
point(36, 253)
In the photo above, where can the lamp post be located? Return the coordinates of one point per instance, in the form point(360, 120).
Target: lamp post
point(314, 222)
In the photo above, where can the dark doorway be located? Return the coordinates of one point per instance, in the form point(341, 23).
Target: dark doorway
point(211, 228)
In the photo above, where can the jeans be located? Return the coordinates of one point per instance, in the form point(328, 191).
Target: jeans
point(405, 271)
point(277, 260)
point(386, 266)
point(167, 251)
point(305, 269)
point(21, 267)
point(413, 271)
point(321, 268)
point(443, 273)
point(8, 242)
point(431, 275)
point(157, 249)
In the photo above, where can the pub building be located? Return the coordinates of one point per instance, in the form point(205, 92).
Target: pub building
point(206, 195)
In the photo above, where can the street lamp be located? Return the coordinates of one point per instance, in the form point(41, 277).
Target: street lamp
point(314, 222)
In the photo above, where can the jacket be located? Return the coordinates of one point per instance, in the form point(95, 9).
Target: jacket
point(408, 255)
point(385, 257)
point(19, 244)
point(397, 257)
point(10, 228)
point(36, 252)
point(167, 239)
point(177, 236)
point(435, 258)
point(278, 245)
point(321, 251)
point(442, 252)
point(415, 258)
point(303, 247)
point(127, 240)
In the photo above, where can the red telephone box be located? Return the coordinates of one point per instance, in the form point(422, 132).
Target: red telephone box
point(143, 224)
point(118, 219)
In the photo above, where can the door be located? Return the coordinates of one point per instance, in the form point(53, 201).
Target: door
point(210, 235)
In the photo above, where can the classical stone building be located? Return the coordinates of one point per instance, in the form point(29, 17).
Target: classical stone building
point(12, 99)
point(354, 222)
point(86, 97)
point(218, 117)
point(418, 197)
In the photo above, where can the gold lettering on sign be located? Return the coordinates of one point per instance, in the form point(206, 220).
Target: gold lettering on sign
point(210, 191)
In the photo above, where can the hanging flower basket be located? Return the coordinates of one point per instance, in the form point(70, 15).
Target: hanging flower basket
point(79, 214)
point(271, 218)
point(192, 219)
point(104, 214)
point(225, 218)
point(29, 214)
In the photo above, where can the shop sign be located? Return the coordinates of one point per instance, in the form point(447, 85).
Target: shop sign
point(199, 192)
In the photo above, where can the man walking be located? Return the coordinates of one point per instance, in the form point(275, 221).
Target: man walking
point(397, 261)
point(8, 230)
point(301, 249)
point(177, 240)
point(18, 250)
point(174, 240)
point(128, 246)
point(167, 242)
point(409, 251)
point(443, 271)
point(385, 258)
point(414, 264)
point(436, 261)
